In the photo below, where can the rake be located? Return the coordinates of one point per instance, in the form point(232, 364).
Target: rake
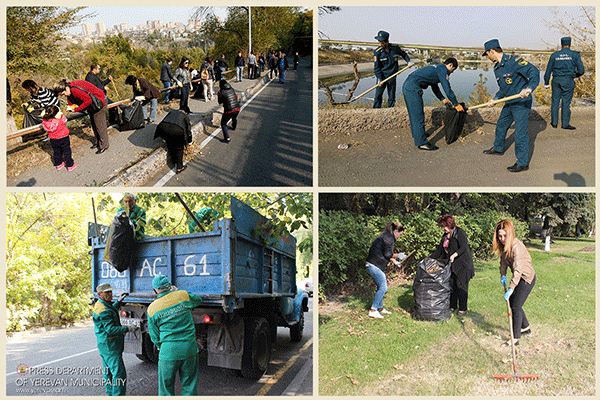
point(516, 375)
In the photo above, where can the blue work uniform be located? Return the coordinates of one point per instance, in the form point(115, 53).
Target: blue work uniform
point(110, 335)
point(564, 66)
point(412, 90)
point(172, 330)
point(514, 74)
point(386, 64)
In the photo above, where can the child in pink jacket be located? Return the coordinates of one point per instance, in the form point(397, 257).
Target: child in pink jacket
point(54, 123)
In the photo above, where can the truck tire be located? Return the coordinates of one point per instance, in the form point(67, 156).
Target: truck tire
point(149, 350)
point(297, 330)
point(257, 348)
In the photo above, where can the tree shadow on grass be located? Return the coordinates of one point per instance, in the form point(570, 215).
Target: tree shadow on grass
point(481, 323)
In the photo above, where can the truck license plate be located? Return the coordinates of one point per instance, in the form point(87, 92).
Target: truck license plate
point(131, 322)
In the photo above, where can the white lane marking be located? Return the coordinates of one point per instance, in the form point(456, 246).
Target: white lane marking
point(60, 359)
point(171, 172)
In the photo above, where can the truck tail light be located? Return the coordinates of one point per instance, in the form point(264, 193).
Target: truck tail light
point(306, 286)
point(207, 319)
point(124, 314)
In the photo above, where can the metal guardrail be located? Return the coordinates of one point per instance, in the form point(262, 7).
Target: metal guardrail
point(39, 127)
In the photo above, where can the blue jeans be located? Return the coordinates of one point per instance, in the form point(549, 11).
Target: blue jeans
point(238, 73)
point(153, 105)
point(167, 85)
point(281, 75)
point(381, 282)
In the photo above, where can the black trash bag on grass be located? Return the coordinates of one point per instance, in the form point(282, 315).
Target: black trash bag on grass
point(432, 290)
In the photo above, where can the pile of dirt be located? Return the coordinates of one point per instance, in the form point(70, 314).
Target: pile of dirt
point(589, 249)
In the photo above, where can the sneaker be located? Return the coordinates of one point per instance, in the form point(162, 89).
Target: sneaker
point(72, 167)
point(526, 331)
point(384, 311)
point(375, 314)
point(461, 312)
point(59, 167)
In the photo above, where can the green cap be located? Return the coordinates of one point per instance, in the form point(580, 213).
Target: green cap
point(104, 287)
point(160, 282)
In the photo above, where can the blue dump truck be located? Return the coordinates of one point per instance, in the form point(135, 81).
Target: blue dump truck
point(246, 278)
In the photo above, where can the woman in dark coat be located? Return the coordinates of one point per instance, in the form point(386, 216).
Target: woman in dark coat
point(454, 246)
point(380, 254)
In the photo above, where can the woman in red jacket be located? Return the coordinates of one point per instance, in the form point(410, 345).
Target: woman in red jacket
point(79, 96)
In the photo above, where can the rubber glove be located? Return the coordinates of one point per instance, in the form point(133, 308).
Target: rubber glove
point(401, 256)
point(525, 92)
point(122, 296)
point(140, 98)
point(445, 101)
point(71, 107)
point(173, 288)
point(179, 84)
point(503, 280)
point(508, 293)
point(459, 108)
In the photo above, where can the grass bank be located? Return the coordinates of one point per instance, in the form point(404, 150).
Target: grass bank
point(400, 356)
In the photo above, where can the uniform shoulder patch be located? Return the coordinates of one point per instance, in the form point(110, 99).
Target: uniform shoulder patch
point(99, 308)
point(521, 61)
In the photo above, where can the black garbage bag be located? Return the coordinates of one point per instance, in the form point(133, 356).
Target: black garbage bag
point(454, 121)
point(175, 128)
point(131, 116)
point(32, 118)
point(120, 245)
point(432, 290)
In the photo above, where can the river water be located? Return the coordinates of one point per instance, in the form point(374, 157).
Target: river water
point(463, 81)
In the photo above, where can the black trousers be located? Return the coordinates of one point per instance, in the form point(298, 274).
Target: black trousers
point(176, 153)
point(516, 300)
point(62, 151)
point(458, 296)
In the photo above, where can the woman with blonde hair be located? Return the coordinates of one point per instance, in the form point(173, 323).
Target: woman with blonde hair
point(514, 255)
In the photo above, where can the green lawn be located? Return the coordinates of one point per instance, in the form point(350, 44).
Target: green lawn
point(400, 356)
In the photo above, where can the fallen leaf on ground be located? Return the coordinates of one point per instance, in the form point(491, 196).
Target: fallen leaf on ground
point(399, 366)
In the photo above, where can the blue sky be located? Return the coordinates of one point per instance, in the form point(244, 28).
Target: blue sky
point(522, 27)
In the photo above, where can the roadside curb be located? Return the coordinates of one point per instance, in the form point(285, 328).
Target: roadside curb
point(21, 335)
point(143, 169)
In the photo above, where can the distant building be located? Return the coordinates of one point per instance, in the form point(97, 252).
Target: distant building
point(87, 29)
point(100, 29)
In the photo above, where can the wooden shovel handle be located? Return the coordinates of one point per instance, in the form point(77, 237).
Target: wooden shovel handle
point(385, 80)
point(515, 96)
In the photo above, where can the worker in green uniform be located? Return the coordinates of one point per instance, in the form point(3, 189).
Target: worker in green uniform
point(136, 214)
point(111, 336)
point(172, 330)
point(205, 216)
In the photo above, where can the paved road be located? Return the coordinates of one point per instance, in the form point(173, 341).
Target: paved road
point(272, 145)
point(388, 158)
point(65, 357)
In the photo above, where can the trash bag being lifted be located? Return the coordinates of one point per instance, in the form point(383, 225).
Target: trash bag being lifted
point(432, 290)
point(454, 121)
point(121, 244)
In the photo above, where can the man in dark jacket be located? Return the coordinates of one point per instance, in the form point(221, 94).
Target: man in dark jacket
point(231, 107)
point(166, 76)
point(145, 92)
point(92, 77)
point(221, 66)
point(240, 62)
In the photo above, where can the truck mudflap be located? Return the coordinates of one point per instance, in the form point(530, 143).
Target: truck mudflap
point(226, 343)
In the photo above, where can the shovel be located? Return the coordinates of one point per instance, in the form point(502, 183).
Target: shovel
point(362, 94)
point(515, 96)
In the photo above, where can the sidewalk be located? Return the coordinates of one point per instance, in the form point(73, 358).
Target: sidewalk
point(127, 148)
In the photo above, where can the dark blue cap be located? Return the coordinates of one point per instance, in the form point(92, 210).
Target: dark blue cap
point(565, 41)
point(490, 44)
point(382, 36)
